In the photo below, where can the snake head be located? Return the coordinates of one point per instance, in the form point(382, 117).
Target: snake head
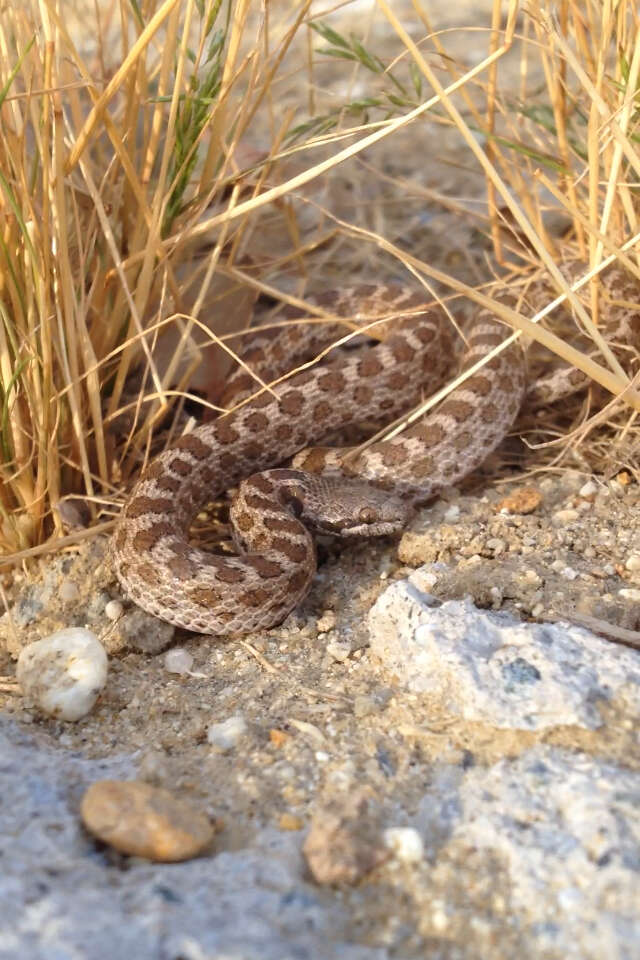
point(356, 509)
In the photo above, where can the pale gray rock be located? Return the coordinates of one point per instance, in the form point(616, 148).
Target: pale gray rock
point(489, 667)
point(562, 832)
point(62, 896)
point(64, 673)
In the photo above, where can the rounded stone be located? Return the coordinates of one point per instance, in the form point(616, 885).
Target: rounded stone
point(144, 821)
point(406, 844)
point(178, 660)
point(64, 673)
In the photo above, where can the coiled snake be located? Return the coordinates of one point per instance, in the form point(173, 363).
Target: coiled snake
point(373, 493)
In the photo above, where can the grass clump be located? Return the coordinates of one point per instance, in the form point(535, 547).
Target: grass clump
point(132, 187)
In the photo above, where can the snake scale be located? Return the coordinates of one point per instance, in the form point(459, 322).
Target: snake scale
point(370, 494)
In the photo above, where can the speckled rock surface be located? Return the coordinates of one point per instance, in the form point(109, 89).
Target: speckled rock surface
point(491, 668)
point(560, 834)
point(61, 896)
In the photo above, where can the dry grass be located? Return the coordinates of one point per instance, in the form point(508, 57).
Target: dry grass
point(136, 196)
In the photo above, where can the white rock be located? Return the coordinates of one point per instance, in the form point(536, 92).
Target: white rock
point(588, 489)
point(226, 735)
point(488, 667)
point(178, 660)
point(559, 832)
point(406, 844)
point(64, 673)
point(630, 593)
point(113, 609)
point(633, 562)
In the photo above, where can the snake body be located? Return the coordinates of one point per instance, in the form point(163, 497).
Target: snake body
point(370, 494)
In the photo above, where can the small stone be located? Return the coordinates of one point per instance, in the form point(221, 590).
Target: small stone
point(278, 737)
point(345, 841)
point(144, 821)
point(226, 735)
point(563, 517)
point(326, 622)
point(63, 673)
point(589, 489)
point(288, 821)
point(113, 610)
point(452, 513)
point(525, 500)
point(532, 578)
point(178, 660)
point(145, 634)
point(406, 844)
point(364, 706)
point(339, 650)
point(69, 591)
point(633, 563)
point(569, 573)
point(496, 545)
point(630, 593)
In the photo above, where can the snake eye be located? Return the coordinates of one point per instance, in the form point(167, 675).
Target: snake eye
point(367, 515)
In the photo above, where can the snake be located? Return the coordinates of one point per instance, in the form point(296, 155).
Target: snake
point(351, 493)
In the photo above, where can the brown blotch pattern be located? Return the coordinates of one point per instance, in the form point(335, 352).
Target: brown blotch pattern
point(183, 569)
point(260, 482)
point(423, 467)
point(428, 434)
point(154, 470)
point(314, 461)
point(257, 422)
point(402, 351)
point(255, 502)
point(425, 334)
point(297, 552)
point(169, 483)
point(226, 572)
point(332, 382)
point(462, 441)
point(460, 410)
point(195, 446)
point(265, 568)
point(146, 539)
point(255, 598)
point(140, 506)
point(392, 453)
point(182, 467)
point(362, 394)
point(225, 431)
point(322, 411)
point(298, 581)
point(284, 431)
point(489, 413)
point(251, 450)
point(244, 521)
point(369, 366)
point(205, 596)
point(292, 403)
point(397, 380)
point(478, 384)
point(282, 525)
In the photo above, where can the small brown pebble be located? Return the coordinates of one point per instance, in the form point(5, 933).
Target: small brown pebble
point(525, 500)
point(278, 737)
point(288, 821)
point(144, 821)
point(623, 478)
point(345, 842)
